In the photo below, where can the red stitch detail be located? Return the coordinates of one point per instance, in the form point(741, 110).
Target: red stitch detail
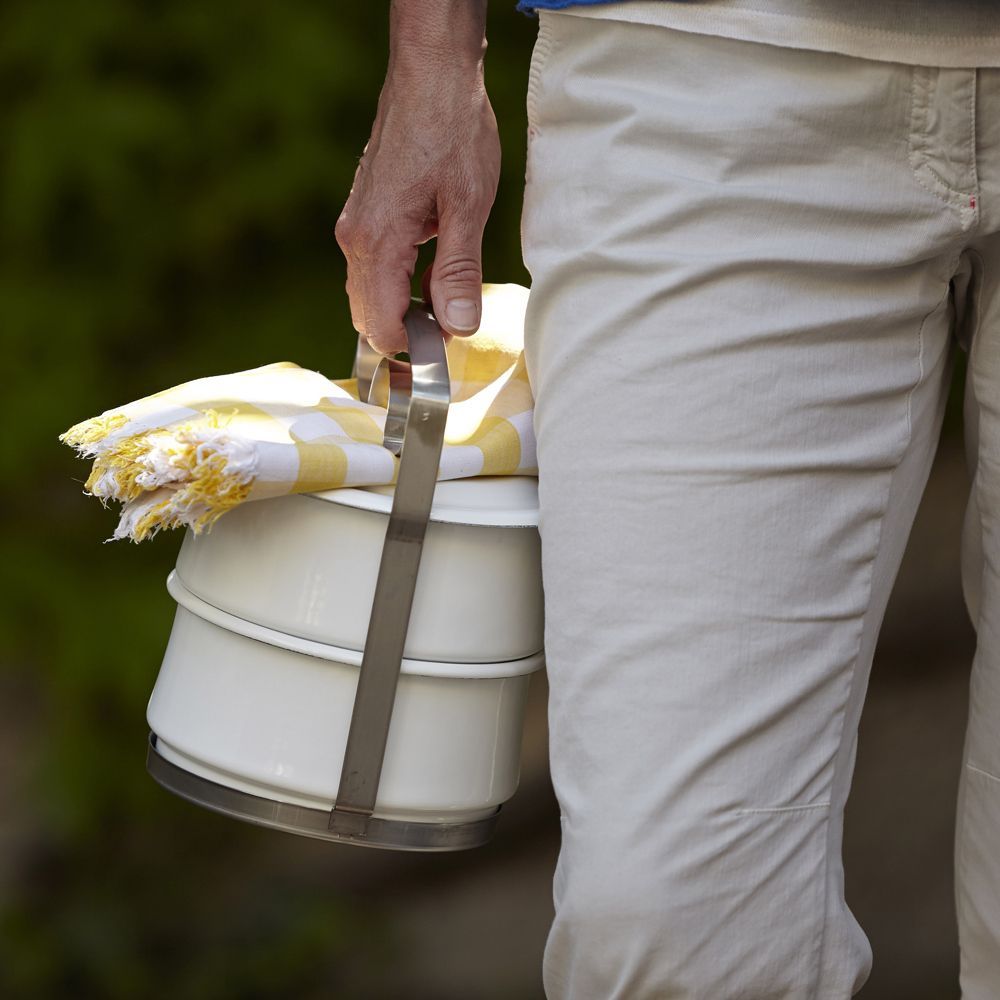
point(972, 203)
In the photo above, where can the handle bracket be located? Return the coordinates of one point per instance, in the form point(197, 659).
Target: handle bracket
point(419, 392)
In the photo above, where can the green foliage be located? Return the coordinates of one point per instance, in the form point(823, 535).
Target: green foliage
point(170, 173)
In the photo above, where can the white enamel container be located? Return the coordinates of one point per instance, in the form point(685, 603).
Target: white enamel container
point(253, 695)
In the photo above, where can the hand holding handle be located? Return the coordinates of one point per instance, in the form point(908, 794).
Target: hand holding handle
point(423, 377)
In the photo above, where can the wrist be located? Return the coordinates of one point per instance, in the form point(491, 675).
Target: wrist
point(428, 38)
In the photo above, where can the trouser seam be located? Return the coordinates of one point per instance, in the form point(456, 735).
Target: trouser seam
point(975, 488)
point(974, 347)
point(539, 57)
point(837, 765)
point(980, 771)
point(843, 720)
point(771, 810)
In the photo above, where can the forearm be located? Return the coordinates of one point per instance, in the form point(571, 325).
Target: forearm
point(430, 169)
point(428, 36)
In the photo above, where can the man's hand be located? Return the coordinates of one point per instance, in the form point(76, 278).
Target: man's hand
point(430, 169)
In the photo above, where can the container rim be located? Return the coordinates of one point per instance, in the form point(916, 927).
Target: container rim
point(456, 501)
point(352, 657)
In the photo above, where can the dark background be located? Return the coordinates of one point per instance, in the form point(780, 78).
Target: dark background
point(170, 174)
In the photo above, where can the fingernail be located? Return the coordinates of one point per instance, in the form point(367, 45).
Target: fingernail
point(462, 314)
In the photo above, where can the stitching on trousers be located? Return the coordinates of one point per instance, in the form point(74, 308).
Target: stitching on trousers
point(871, 580)
point(920, 379)
point(767, 810)
point(985, 774)
point(970, 146)
point(917, 140)
point(539, 57)
point(961, 908)
point(965, 203)
point(821, 951)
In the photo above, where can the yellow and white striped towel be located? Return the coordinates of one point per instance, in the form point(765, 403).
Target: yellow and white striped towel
point(185, 456)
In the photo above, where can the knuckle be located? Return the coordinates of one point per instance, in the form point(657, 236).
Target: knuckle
point(478, 192)
point(354, 236)
point(458, 270)
point(344, 232)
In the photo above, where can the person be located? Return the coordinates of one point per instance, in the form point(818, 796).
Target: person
point(758, 233)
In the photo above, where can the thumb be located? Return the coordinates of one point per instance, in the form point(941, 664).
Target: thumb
point(456, 283)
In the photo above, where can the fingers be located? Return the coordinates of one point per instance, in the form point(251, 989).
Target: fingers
point(381, 252)
point(456, 280)
point(425, 294)
point(379, 269)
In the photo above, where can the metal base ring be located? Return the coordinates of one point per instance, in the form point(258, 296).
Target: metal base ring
point(345, 828)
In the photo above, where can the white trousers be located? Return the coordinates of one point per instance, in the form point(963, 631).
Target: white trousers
point(751, 269)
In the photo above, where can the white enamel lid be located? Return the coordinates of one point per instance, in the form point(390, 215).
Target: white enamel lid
point(491, 501)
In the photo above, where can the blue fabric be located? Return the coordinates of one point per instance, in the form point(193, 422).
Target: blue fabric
point(527, 6)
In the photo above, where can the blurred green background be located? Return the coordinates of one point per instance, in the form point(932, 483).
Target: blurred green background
point(170, 174)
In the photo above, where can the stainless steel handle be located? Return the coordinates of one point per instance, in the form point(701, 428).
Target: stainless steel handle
point(418, 394)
